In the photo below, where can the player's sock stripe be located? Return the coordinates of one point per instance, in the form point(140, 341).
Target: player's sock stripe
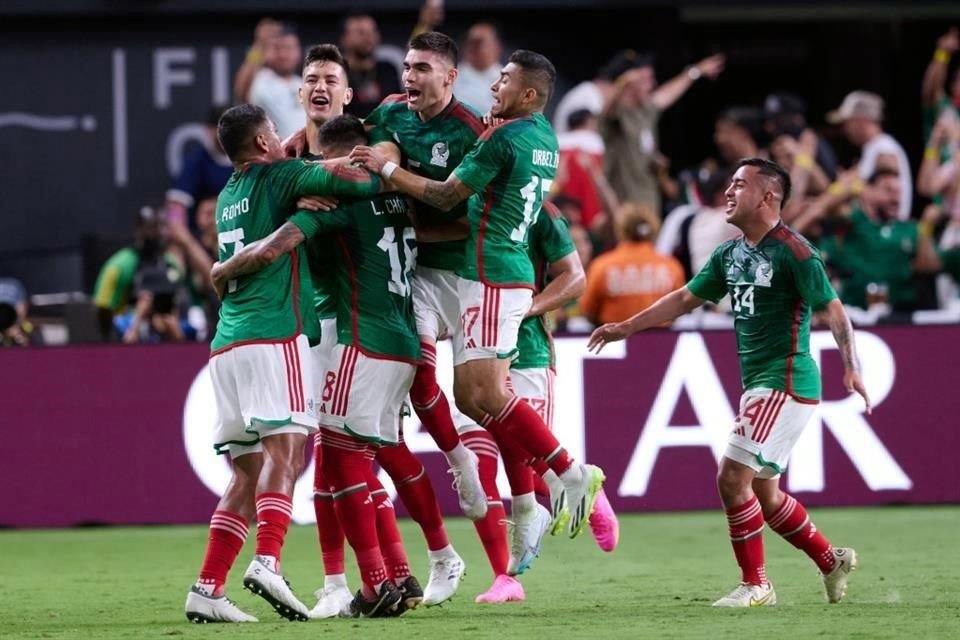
point(783, 512)
point(803, 526)
point(740, 518)
point(507, 409)
point(237, 531)
point(277, 503)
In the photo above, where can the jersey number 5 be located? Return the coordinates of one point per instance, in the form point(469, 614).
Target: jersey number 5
point(743, 300)
point(531, 205)
point(402, 260)
point(234, 237)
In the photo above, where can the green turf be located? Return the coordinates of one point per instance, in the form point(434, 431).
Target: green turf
point(131, 583)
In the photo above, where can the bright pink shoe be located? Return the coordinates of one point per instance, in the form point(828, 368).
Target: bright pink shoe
point(604, 524)
point(504, 589)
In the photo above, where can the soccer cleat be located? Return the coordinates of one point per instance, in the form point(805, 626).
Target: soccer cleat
point(604, 524)
point(384, 604)
point(749, 595)
point(201, 608)
point(835, 582)
point(466, 482)
point(445, 576)
point(526, 539)
point(582, 496)
point(504, 589)
point(411, 595)
point(559, 514)
point(332, 602)
point(274, 588)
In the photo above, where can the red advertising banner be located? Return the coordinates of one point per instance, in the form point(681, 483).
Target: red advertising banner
point(122, 434)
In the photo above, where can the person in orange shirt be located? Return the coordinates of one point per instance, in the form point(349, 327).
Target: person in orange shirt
point(632, 276)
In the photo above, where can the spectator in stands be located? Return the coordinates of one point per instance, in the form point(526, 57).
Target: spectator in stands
point(591, 95)
point(145, 274)
point(736, 134)
point(480, 66)
point(937, 98)
point(199, 253)
point(861, 114)
point(631, 277)
point(786, 120)
point(939, 179)
point(708, 228)
point(629, 126)
point(206, 169)
point(580, 174)
point(276, 84)
point(266, 29)
point(372, 80)
point(15, 329)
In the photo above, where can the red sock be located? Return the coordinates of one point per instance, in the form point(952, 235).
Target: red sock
point(791, 521)
point(527, 428)
point(328, 526)
point(228, 531)
point(273, 520)
point(430, 403)
point(346, 464)
point(746, 529)
point(540, 487)
point(416, 491)
point(492, 528)
point(515, 459)
point(391, 544)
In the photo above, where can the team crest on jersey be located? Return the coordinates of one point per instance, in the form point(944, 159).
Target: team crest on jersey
point(764, 274)
point(440, 154)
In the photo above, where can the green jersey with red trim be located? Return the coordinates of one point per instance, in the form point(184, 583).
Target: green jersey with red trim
point(431, 149)
point(550, 241)
point(376, 255)
point(773, 287)
point(321, 253)
point(275, 303)
point(510, 171)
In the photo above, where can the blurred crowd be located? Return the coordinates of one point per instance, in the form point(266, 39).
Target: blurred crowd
point(888, 226)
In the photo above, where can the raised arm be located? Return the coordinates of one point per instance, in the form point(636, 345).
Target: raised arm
point(672, 90)
point(936, 73)
point(568, 283)
point(842, 331)
point(442, 195)
point(256, 256)
point(667, 308)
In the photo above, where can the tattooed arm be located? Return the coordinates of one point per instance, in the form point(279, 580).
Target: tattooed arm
point(256, 255)
point(442, 195)
point(843, 333)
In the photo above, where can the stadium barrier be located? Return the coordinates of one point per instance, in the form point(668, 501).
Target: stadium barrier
point(121, 434)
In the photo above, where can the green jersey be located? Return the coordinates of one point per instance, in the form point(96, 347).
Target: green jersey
point(774, 286)
point(431, 149)
point(510, 171)
point(275, 303)
point(550, 241)
point(377, 251)
point(321, 253)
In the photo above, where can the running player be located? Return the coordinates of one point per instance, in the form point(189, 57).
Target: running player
point(505, 177)
point(324, 93)
point(775, 278)
point(259, 362)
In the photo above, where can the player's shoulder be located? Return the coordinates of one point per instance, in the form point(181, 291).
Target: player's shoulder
point(507, 130)
point(799, 247)
point(393, 103)
point(467, 115)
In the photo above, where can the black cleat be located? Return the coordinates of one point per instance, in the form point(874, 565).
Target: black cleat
point(411, 595)
point(383, 605)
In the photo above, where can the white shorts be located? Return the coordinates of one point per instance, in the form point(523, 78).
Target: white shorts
point(262, 390)
point(535, 387)
point(767, 427)
point(490, 320)
point(363, 396)
point(322, 353)
point(436, 302)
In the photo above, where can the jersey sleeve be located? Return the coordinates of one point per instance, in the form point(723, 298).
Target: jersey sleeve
point(710, 283)
point(553, 237)
point(378, 122)
point(312, 223)
point(298, 178)
point(812, 282)
point(484, 162)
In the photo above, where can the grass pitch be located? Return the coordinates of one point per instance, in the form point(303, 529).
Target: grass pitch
point(131, 583)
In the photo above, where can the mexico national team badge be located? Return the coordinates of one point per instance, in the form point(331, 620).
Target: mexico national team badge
point(764, 274)
point(439, 154)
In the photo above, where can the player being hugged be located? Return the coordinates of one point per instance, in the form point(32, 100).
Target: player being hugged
point(775, 278)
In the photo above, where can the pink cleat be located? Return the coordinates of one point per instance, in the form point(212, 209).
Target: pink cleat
point(504, 589)
point(604, 524)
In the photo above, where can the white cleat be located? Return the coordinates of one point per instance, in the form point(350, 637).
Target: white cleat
point(332, 602)
point(273, 588)
point(749, 595)
point(466, 481)
point(445, 576)
point(203, 609)
point(835, 582)
point(528, 532)
point(582, 497)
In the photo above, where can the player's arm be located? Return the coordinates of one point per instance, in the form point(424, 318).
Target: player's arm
point(666, 309)
point(672, 90)
point(442, 195)
point(936, 73)
point(568, 283)
point(335, 178)
point(256, 255)
point(842, 330)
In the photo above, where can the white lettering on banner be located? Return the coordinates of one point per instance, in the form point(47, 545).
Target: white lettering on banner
point(179, 137)
point(220, 75)
point(690, 370)
point(165, 76)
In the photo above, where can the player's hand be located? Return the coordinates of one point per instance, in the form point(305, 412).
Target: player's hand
point(602, 335)
point(713, 66)
point(296, 144)
point(369, 158)
point(490, 120)
point(852, 382)
point(317, 203)
point(219, 282)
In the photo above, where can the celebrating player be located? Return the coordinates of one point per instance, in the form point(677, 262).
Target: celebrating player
point(775, 278)
point(505, 177)
point(259, 362)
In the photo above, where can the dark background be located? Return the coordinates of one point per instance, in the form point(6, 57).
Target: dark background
point(57, 59)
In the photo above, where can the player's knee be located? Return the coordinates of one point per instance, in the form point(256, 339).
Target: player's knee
point(731, 482)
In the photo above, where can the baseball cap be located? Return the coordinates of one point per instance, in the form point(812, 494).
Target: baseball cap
point(858, 104)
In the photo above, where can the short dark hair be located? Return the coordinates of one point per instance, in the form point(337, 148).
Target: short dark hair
point(439, 43)
point(237, 127)
point(325, 53)
point(538, 71)
point(346, 131)
point(770, 170)
point(579, 118)
point(881, 173)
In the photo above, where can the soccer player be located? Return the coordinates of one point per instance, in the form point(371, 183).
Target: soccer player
point(505, 177)
point(324, 93)
point(428, 131)
point(259, 362)
point(775, 278)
